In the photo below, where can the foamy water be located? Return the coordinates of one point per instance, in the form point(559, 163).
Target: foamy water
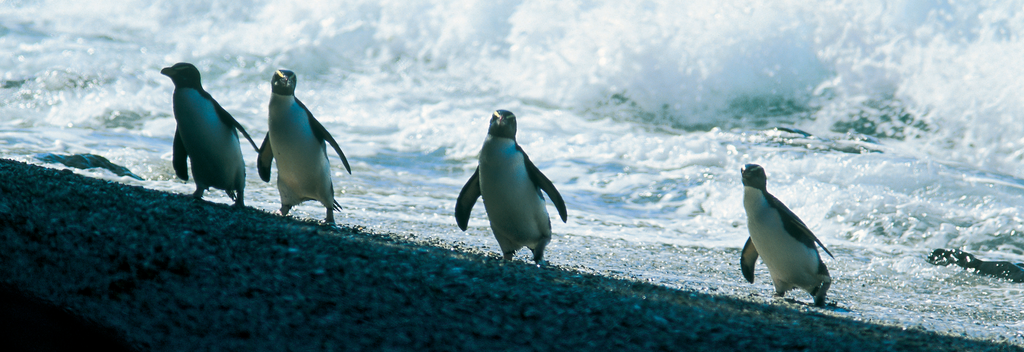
point(641, 115)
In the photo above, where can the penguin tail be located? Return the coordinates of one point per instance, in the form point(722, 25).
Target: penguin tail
point(337, 206)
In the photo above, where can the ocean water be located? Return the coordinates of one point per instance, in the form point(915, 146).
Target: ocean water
point(890, 127)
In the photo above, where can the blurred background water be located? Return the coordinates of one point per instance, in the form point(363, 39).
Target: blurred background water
point(891, 127)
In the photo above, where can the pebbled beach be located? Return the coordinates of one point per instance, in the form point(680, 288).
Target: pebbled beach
point(165, 272)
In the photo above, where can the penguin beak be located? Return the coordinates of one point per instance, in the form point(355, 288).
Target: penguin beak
point(745, 173)
point(753, 176)
point(167, 71)
point(499, 118)
point(280, 79)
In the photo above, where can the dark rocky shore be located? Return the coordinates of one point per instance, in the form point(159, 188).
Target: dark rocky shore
point(161, 271)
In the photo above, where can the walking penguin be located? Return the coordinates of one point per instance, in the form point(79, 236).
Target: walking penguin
point(299, 143)
point(786, 245)
point(511, 187)
point(205, 134)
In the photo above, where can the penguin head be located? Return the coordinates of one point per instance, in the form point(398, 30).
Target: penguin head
point(753, 176)
point(283, 82)
point(184, 75)
point(503, 124)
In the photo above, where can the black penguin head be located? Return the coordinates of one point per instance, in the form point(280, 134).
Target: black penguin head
point(503, 124)
point(283, 82)
point(184, 75)
point(753, 176)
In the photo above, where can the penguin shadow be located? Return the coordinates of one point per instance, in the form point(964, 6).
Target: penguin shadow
point(830, 305)
point(521, 257)
point(517, 259)
point(303, 218)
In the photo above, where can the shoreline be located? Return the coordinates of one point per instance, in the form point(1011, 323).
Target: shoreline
point(172, 273)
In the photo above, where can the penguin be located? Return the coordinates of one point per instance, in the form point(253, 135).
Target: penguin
point(511, 187)
point(299, 143)
point(786, 245)
point(206, 135)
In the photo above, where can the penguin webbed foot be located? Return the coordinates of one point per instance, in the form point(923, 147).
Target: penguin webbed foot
point(284, 210)
point(538, 257)
point(819, 299)
point(237, 197)
point(508, 255)
point(198, 194)
point(820, 291)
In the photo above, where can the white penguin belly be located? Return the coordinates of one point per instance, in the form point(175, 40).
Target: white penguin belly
point(212, 145)
point(514, 205)
point(303, 171)
point(790, 262)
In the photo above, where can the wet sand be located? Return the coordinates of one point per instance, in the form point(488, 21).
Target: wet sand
point(165, 272)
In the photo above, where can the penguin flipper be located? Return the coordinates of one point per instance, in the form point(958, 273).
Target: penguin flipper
point(747, 260)
point(227, 119)
point(265, 157)
point(794, 225)
point(180, 158)
point(467, 198)
point(320, 132)
point(544, 183)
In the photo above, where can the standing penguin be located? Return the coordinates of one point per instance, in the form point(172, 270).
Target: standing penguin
point(511, 186)
point(785, 243)
point(299, 143)
point(206, 135)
